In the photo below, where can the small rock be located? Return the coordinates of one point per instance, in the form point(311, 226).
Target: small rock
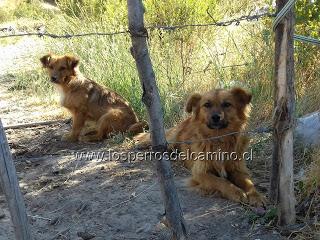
point(85, 235)
point(54, 221)
point(82, 207)
point(28, 162)
point(55, 172)
point(44, 180)
point(2, 214)
point(233, 213)
point(56, 185)
point(160, 226)
point(260, 211)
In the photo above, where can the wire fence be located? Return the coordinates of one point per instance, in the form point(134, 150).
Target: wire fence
point(42, 31)
point(259, 130)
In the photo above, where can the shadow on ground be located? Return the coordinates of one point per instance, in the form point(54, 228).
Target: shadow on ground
point(67, 197)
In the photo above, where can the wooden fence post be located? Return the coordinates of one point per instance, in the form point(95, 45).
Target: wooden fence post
point(281, 183)
point(10, 187)
point(151, 99)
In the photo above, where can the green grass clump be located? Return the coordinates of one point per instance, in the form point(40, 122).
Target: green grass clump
point(32, 81)
point(32, 10)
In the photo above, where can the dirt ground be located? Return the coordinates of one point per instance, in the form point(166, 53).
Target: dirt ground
point(109, 199)
point(72, 198)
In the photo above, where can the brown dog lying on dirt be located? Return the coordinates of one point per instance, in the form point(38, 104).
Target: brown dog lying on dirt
point(87, 100)
point(215, 113)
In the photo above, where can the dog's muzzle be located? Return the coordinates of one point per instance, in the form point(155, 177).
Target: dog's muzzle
point(219, 125)
point(216, 122)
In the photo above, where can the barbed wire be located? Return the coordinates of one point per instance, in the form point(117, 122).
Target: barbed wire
point(250, 17)
point(67, 35)
point(259, 130)
point(42, 32)
point(237, 21)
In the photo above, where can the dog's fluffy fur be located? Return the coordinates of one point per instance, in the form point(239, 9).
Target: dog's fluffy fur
point(216, 113)
point(87, 100)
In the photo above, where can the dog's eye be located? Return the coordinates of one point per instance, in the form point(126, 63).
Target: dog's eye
point(50, 67)
point(62, 68)
point(207, 105)
point(225, 104)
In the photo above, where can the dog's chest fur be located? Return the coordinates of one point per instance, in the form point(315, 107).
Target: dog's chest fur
point(62, 95)
point(216, 156)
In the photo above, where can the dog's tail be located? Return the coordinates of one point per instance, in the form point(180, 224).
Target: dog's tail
point(138, 127)
point(143, 140)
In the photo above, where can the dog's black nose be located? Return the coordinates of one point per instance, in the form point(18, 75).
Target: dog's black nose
point(215, 117)
point(53, 79)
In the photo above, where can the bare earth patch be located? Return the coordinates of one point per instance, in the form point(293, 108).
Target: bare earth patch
point(109, 199)
point(20, 106)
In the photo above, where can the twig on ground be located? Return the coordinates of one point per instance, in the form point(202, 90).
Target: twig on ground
point(34, 124)
point(39, 217)
point(61, 233)
point(57, 210)
point(229, 207)
point(133, 197)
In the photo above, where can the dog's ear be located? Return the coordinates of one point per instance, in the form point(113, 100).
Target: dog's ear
point(45, 60)
point(72, 61)
point(242, 96)
point(193, 102)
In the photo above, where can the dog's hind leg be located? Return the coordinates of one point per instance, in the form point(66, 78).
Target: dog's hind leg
point(90, 128)
point(143, 140)
point(137, 127)
point(111, 122)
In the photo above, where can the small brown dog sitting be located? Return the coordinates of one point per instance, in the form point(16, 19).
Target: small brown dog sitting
point(87, 100)
point(213, 114)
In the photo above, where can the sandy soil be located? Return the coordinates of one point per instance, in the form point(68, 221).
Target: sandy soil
point(18, 106)
point(110, 199)
point(72, 198)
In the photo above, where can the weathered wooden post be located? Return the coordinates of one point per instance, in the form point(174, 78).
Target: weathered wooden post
point(281, 184)
point(10, 187)
point(151, 99)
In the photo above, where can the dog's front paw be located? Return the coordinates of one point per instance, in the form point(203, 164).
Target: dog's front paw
point(69, 137)
point(256, 199)
point(236, 194)
point(86, 138)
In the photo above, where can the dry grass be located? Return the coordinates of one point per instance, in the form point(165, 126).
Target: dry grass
point(312, 182)
point(308, 197)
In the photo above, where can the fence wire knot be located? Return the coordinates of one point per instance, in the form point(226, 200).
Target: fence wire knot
point(282, 13)
point(140, 33)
